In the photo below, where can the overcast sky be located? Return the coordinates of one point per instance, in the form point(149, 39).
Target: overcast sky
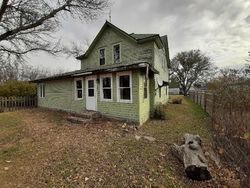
point(220, 28)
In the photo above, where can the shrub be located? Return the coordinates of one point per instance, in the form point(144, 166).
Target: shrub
point(177, 100)
point(159, 112)
point(17, 88)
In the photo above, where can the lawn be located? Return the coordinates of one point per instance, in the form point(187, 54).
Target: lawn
point(39, 148)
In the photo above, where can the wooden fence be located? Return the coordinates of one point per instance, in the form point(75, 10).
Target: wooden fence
point(16, 103)
point(230, 113)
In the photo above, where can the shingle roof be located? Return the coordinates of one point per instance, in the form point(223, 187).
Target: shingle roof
point(142, 36)
point(103, 69)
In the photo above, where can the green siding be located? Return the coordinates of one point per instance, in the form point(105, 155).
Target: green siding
point(130, 51)
point(120, 109)
point(60, 95)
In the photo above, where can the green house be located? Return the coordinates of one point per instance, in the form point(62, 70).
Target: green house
point(122, 76)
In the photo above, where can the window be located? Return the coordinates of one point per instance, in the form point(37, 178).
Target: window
point(124, 87)
point(159, 92)
point(106, 88)
point(145, 87)
point(78, 89)
point(117, 53)
point(42, 90)
point(102, 56)
point(91, 88)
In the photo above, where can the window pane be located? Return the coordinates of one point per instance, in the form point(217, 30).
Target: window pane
point(79, 84)
point(106, 82)
point(91, 83)
point(145, 93)
point(102, 61)
point(107, 93)
point(102, 53)
point(91, 92)
point(124, 81)
point(43, 90)
point(79, 93)
point(116, 51)
point(125, 93)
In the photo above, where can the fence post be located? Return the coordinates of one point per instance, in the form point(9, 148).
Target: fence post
point(205, 101)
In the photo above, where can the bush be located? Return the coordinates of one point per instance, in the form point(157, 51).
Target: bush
point(177, 100)
point(17, 88)
point(159, 112)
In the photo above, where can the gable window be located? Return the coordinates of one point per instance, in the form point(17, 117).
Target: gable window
point(145, 87)
point(124, 82)
point(41, 90)
point(116, 53)
point(78, 89)
point(106, 88)
point(102, 56)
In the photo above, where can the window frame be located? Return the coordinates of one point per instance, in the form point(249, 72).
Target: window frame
point(145, 83)
point(101, 87)
point(75, 88)
point(42, 90)
point(127, 73)
point(100, 56)
point(120, 54)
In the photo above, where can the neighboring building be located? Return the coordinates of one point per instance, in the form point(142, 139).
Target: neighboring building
point(122, 75)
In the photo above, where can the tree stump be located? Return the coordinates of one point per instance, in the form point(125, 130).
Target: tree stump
point(192, 156)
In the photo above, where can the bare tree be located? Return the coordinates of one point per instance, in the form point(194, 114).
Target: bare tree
point(187, 67)
point(27, 25)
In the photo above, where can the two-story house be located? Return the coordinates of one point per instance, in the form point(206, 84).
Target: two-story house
point(122, 75)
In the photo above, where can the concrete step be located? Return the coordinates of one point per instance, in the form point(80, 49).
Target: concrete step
point(78, 120)
point(87, 115)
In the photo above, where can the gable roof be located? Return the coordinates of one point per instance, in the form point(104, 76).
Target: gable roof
point(137, 38)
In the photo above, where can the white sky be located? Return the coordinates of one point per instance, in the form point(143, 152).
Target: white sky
point(220, 28)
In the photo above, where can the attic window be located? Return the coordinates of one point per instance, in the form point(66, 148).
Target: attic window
point(117, 53)
point(102, 56)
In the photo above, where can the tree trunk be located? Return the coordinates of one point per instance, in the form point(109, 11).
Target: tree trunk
point(191, 155)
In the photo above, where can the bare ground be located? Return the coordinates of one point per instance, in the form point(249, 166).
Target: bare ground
point(38, 148)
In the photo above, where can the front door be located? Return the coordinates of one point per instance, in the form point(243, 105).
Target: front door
point(91, 93)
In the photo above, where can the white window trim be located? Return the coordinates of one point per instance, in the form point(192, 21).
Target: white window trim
point(104, 55)
point(113, 60)
point(75, 89)
point(118, 88)
point(41, 88)
point(101, 87)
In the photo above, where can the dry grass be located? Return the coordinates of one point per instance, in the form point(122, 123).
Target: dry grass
point(40, 149)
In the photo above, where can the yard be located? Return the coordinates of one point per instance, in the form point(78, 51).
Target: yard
point(39, 148)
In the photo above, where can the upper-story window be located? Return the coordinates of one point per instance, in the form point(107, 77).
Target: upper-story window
point(102, 56)
point(117, 53)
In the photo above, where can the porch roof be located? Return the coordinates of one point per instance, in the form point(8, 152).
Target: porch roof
point(123, 66)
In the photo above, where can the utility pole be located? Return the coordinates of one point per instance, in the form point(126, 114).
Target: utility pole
point(110, 15)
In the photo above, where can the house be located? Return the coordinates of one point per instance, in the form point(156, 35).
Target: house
point(122, 76)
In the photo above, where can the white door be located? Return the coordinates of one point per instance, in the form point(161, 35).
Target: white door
point(91, 93)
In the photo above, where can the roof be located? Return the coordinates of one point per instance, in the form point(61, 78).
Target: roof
point(137, 38)
point(142, 36)
point(102, 69)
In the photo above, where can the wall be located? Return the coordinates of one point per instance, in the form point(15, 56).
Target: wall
point(59, 94)
point(119, 109)
point(130, 51)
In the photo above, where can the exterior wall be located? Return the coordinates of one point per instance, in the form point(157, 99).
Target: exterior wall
point(130, 51)
point(60, 95)
point(121, 109)
point(160, 63)
point(144, 107)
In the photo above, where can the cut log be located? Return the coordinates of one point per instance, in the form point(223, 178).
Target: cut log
point(192, 156)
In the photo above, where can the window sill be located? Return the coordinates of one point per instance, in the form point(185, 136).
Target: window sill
point(125, 101)
point(106, 100)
